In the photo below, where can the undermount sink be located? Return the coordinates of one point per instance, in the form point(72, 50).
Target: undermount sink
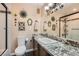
point(46, 40)
point(52, 47)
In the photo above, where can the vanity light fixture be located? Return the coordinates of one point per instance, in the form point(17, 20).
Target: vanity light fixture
point(53, 7)
point(46, 8)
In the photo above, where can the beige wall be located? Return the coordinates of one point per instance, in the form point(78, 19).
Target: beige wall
point(48, 18)
point(31, 13)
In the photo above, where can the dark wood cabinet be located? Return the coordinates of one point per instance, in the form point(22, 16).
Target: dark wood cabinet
point(39, 50)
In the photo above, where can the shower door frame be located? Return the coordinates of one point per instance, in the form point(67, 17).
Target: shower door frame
point(66, 21)
point(6, 27)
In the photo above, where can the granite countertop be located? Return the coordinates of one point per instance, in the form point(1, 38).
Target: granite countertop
point(56, 48)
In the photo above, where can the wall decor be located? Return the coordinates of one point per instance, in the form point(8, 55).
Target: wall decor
point(15, 21)
point(21, 26)
point(53, 18)
point(38, 11)
point(23, 14)
point(45, 26)
point(49, 23)
point(36, 26)
point(53, 27)
point(56, 22)
point(29, 22)
point(15, 15)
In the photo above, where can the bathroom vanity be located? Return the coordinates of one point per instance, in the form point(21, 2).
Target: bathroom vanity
point(47, 46)
point(39, 50)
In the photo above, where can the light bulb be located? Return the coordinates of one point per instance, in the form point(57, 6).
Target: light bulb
point(46, 8)
point(50, 4)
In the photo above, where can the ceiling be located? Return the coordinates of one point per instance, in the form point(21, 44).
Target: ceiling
point(69, 8)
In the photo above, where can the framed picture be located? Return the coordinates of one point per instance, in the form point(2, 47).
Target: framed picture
point(52, 18)
point(45, 26)
point(49, 23)
point(38, 10)
point(36, 26)
point(23, 14)
point(53, 27)
point(29, 22)
point(21, 26)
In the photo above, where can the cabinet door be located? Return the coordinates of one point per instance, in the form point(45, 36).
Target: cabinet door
point(35, 45)
point(42, 51)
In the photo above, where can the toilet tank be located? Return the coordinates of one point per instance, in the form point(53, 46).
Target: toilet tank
point(21, 41)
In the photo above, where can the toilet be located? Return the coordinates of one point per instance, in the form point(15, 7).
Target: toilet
point(21, 49)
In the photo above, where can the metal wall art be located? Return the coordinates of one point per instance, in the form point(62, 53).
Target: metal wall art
point(49, 23)
point(53, 18)
point(45, 26)
point(23, 14)
point(29, 22)
point(53, 27)
point(15, 21)
point(21, 26)
point(36, 26)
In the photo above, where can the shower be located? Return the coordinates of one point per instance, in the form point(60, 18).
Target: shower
point(3, 28)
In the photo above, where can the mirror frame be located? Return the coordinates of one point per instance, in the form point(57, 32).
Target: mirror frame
point(49, 23)
point(29, 24)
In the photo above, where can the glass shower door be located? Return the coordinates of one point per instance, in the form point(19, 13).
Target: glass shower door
point(2, 29)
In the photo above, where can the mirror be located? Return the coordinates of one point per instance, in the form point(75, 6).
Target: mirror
point(52, 18)
point(23, 14)
point(36, 26)
point(49, 23)
point(29, 22)
point(70, 27)
point(53, 27)
point(45, 26)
